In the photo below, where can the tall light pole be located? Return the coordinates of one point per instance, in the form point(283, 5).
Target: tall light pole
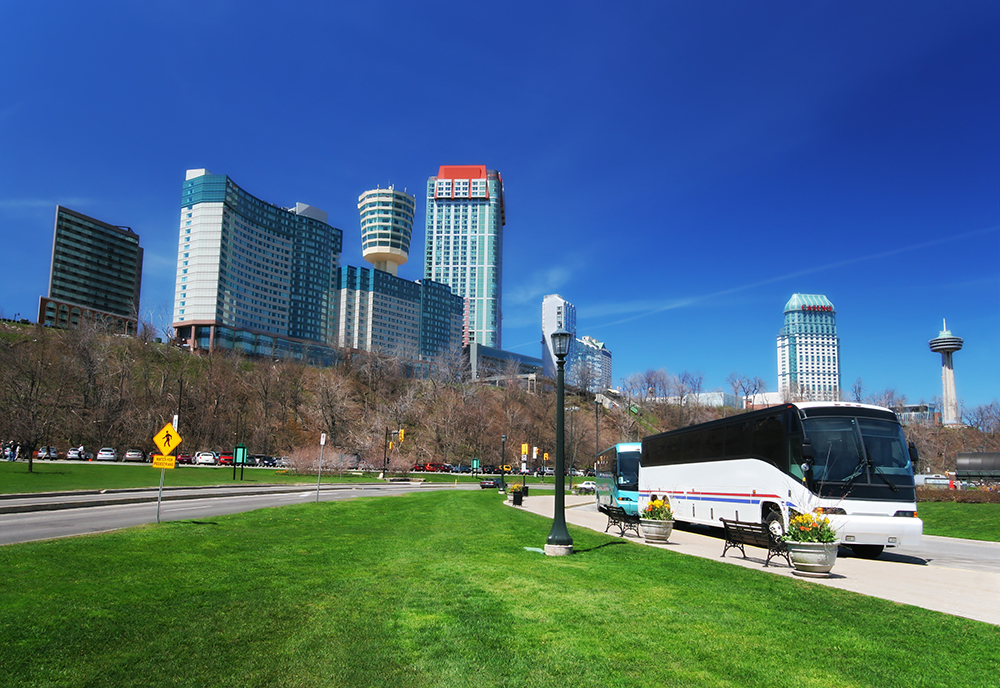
point(503, 459)
point(559, 542)
point(572, 442)
point(597, 433)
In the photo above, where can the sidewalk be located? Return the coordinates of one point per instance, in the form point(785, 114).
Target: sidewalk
point(970, 594)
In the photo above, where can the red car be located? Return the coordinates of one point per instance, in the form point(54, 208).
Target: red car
point(226, 459)
point(185, 459)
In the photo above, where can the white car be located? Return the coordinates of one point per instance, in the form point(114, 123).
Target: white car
point(107, 454)
point(587, 487)
point(206, 459)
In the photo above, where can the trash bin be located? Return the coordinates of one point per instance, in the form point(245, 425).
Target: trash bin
point(518, 497)
point(524, 489)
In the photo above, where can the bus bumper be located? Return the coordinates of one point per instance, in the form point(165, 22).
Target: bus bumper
point(889, 531)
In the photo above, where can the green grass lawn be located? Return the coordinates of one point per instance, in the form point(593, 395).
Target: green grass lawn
point(970, 521)
point(437, 589)
point(58, 476)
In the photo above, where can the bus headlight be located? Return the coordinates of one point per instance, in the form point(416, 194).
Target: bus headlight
point(906, 514)
point(833, 510)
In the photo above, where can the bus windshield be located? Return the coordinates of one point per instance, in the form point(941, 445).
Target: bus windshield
point(628, 470)
point(859, 450)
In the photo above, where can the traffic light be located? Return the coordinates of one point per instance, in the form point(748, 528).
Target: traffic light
point(401, 434)
point(390, 445)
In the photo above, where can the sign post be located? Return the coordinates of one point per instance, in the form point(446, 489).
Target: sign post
point(319, 472)
point(167, 440)
point(240, 457)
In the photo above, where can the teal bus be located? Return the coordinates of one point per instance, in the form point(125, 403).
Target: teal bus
point(617, 477)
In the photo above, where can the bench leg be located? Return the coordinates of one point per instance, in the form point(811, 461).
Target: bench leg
point(735, 545)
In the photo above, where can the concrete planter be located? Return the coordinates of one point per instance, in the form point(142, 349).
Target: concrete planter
point(812, 558)
point(656, 531)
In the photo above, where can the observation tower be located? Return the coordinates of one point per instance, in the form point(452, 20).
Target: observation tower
point(946, 345)
point(386, 226)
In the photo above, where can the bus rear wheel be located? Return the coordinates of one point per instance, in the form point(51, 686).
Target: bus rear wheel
point(867, 551)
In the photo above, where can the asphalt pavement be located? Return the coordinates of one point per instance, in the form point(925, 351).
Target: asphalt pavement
point(966, 586)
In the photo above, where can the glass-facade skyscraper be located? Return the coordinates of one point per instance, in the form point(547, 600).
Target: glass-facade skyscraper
point(809, 350)
point(464, 249)
point(96, 274)
point(252, 276)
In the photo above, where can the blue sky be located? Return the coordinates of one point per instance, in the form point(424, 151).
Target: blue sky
point(675, 169)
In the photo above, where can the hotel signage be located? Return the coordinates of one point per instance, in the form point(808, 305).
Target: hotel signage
point(827, 309)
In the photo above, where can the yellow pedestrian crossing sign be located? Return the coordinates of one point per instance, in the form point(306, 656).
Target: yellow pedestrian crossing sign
point(167, 439)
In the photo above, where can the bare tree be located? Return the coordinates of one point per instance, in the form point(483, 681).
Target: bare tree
point(857, 391)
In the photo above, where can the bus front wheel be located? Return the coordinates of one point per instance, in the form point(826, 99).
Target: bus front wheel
point(867, 551)
point(775, 523)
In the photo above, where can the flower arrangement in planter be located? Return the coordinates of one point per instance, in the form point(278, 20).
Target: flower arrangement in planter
point(658, 510)
point(657, 520)
point(807, 528)
point(812, 544)
point(516, 487)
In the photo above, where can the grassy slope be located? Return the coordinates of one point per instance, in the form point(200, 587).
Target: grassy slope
point(971, 521)
point(438, 590)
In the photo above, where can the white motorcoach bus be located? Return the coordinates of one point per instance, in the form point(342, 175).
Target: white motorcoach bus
point(849, 462)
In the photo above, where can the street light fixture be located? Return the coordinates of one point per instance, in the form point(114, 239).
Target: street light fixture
point(559, 541)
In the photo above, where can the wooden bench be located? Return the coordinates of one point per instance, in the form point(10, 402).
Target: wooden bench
point(625, 521)
point(740, 533)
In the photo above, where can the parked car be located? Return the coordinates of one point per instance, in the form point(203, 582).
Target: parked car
point(491, 484)
point(134, 455)
point(47, 453)
point(107, 454)
point(185, 459)
point(226, 459)
point(206, 458)
point(78, 454)
point(587, 487)
point(462, 469)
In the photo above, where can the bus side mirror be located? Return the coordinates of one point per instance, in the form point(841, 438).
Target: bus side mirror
point(913, 455)
point(807, 450)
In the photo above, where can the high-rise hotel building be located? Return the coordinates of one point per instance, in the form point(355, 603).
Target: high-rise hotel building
point(386, 226)
point(809, 350)
point(252, 276)
point(96, 275)
point(465, 220)
point(380, 311)
point(556, 312)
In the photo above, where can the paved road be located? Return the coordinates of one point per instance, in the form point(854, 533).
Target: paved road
point(104, 514)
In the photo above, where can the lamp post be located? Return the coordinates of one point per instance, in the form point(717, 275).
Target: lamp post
point(572, 442)
point(559, 542)
point(503, 460)
point(597, 433)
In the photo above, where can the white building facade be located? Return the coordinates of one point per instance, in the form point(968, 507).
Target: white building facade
point(809, 350)
point(464, 249)
point(556, 312)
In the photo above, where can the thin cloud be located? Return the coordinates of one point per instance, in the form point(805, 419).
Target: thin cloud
point(539, 284)
point(681, 303)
